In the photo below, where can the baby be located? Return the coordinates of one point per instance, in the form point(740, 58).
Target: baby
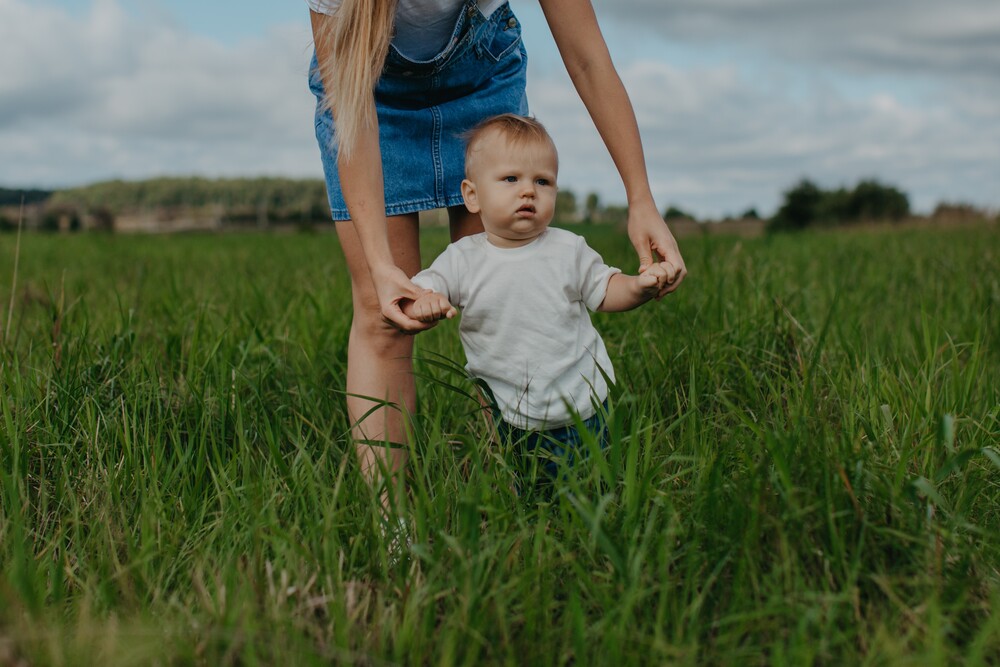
point(524, 290)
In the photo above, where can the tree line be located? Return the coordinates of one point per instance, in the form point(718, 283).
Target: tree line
point(282, 199)
point(808, 205)
point(14, 197)
point(264, 201)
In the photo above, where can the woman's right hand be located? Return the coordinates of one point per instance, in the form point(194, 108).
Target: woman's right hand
point(651, 237)
point(392, 287)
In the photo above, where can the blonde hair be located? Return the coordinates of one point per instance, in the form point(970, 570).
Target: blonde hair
point(356, 41)
point(518, 130)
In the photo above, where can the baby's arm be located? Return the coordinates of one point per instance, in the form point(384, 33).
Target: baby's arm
point(628, 292)
point(438, 283)
point(428, 307)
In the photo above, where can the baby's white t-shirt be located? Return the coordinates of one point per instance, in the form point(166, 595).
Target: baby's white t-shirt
point(525, 325)
point(423, 27)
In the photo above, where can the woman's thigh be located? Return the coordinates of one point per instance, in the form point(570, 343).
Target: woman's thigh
point(404, 242)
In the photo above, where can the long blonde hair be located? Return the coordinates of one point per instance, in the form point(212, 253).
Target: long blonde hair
point(357, 40)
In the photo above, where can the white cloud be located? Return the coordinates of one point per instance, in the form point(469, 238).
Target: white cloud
point(718, 142)
point(107, 95)
point(956, 39)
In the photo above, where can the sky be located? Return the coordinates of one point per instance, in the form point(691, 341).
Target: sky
point(736, 99)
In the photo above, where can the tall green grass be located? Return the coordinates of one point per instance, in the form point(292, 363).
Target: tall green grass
point(804, 466)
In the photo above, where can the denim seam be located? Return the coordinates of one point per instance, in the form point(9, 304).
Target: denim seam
point(436, 153)
point(402, 208)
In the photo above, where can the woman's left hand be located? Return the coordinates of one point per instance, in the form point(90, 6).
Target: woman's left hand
point(651, 238)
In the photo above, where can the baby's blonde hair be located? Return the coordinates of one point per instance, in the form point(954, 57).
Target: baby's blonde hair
point(517, 130)
point(357, 40)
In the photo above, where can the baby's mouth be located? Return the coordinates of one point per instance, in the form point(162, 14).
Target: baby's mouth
point(527, 208)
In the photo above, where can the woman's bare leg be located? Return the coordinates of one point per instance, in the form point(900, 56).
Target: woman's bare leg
point(462, 223)
point(379, 360)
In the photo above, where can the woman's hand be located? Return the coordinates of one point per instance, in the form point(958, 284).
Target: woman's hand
point(392, 287)
point(651, 238)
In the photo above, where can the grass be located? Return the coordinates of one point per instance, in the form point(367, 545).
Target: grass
point(804, 470)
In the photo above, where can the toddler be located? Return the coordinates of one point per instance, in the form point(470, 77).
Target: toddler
point(524, 290)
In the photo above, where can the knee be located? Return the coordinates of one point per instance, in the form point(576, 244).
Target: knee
point(380, 338)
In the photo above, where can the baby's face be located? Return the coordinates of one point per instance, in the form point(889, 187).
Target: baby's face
point(513, 188)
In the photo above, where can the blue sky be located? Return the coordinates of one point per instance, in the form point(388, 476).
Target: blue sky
point(225, 20)
point(736, 100)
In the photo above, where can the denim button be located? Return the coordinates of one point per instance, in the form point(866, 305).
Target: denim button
point(512, 22)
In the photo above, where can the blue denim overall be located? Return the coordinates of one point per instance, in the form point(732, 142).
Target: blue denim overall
point(424, 108)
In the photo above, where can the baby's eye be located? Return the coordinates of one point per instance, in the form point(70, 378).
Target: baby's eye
point(510, 179)
point(543, 181)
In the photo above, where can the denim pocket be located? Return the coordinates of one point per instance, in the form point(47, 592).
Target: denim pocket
point(505, 38)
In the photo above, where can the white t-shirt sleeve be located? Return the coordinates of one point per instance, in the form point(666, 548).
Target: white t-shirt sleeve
point(323, 6)
point(442, 276)
point(594, 275)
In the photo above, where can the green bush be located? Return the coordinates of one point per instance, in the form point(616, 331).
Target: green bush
point(806, 205)
point(675, 213)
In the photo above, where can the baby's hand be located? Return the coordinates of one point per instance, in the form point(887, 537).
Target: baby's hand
point(654, 279)
point(429, 307)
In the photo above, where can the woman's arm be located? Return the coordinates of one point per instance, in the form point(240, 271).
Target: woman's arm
point(588, 62)
point(361, 181)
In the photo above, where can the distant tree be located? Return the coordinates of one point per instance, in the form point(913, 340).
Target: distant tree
point(615, 215)
point(60, 217)
point(244, 199)
point(834, 207)
point(801, 207)
point(318, 210)
point(750, 214)
point(674, 213)
point(14, 196)
point(806, 204)
point(566, 206)
point(591, 208)
point(102, 219)
point(871, 200)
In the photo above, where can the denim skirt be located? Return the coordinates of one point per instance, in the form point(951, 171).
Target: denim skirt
point(424, 108)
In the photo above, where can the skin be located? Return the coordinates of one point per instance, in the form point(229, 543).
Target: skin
point(513, 189)
point(379, 352)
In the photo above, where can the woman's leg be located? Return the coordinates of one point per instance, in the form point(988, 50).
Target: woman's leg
point(463, 223)
point(379, 360)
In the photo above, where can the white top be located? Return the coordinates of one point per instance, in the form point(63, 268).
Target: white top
point(525, 326)
point(423, 27)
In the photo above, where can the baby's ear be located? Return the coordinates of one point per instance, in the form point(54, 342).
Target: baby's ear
point(469, 195)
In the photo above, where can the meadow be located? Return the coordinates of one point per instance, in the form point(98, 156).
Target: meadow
point(804, 465)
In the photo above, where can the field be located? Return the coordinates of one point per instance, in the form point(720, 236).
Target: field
point(805, 466)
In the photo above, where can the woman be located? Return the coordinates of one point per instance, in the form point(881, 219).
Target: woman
point(401, 80)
